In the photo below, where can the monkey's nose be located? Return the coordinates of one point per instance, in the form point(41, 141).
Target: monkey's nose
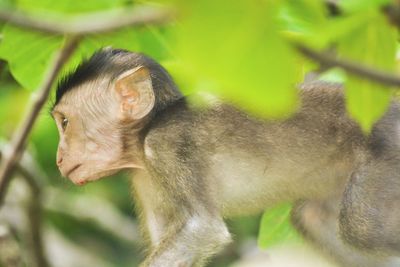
point(59, 161)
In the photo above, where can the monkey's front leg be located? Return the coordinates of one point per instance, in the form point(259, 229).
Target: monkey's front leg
point(190, 242)
point(183, 232)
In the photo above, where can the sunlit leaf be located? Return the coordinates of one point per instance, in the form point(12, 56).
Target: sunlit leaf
point(35, 51)
point(302, 16)
point(68, 6)
point(275, 227)
point(361, 5)
point(7, 3)
point(236, 51)
point(155, 42)
point(28, 54)
point(335, 75)
point(334, 30)
point(124, 39)
point(373, 45)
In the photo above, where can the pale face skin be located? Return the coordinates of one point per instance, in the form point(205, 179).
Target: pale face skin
point(91, 144)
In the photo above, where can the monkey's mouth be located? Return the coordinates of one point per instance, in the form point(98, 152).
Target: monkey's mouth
point(73, 169)
point(84, 179)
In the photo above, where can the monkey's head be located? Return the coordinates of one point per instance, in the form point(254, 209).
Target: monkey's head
point(101, 108)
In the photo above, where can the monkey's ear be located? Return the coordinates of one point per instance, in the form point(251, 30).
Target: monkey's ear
point(136, 93)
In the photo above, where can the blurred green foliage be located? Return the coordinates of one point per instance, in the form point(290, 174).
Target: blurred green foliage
point(226, 54)
point(275, 227)
point(239, 50)
point(380, 43)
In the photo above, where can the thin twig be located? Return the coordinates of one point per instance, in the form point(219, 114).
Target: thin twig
point(10, 252)
point(35, 213)
point(92, 23)
point(35, 217)
point(330, 61)
point(10, 158)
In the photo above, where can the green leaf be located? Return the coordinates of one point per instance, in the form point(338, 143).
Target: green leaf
point(125, 39)
point(373, 45)
point(275, 227)
point(68, 6)
point(335, 75)
point(155, 41)
point(237, 52)
point(30, 53)
point(350, 6)
point(302, 16)
point(7, 3)
point(334, 30)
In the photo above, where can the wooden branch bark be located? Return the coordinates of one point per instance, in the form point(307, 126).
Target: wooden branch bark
point(92, 23)
point(34, 214)
point(10, 252)
point(330, 61)
point(11, 157)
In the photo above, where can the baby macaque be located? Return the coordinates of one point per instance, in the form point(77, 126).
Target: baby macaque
point(194, 167)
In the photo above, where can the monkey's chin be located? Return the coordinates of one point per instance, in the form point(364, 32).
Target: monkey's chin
point(82, 179)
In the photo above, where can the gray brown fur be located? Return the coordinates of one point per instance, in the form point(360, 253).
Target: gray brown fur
point(200, 166)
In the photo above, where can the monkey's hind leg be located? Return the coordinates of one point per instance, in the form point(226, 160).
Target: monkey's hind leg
point(317, 221)
point(370, 213)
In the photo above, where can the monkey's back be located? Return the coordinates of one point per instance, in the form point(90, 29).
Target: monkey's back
point(316, 148)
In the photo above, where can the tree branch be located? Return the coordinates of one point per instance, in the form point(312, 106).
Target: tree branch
point(10, 253)
point(12, 156)
point(34, 212)
point(92, 23)
point(35, 216)
point(351, 67)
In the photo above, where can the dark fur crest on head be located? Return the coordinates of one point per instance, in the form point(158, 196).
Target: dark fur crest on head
point(113, 62)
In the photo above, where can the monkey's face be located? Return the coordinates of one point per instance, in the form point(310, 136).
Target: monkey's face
point(90, 142)
point(92, 120)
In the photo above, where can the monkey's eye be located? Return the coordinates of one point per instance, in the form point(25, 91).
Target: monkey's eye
point(64, 123)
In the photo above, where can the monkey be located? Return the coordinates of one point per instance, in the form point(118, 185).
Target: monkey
point(194, 167)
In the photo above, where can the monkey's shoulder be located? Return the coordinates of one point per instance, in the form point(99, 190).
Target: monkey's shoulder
point(169, 130)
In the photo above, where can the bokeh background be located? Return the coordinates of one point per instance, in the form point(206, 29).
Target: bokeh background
point(243, 51)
